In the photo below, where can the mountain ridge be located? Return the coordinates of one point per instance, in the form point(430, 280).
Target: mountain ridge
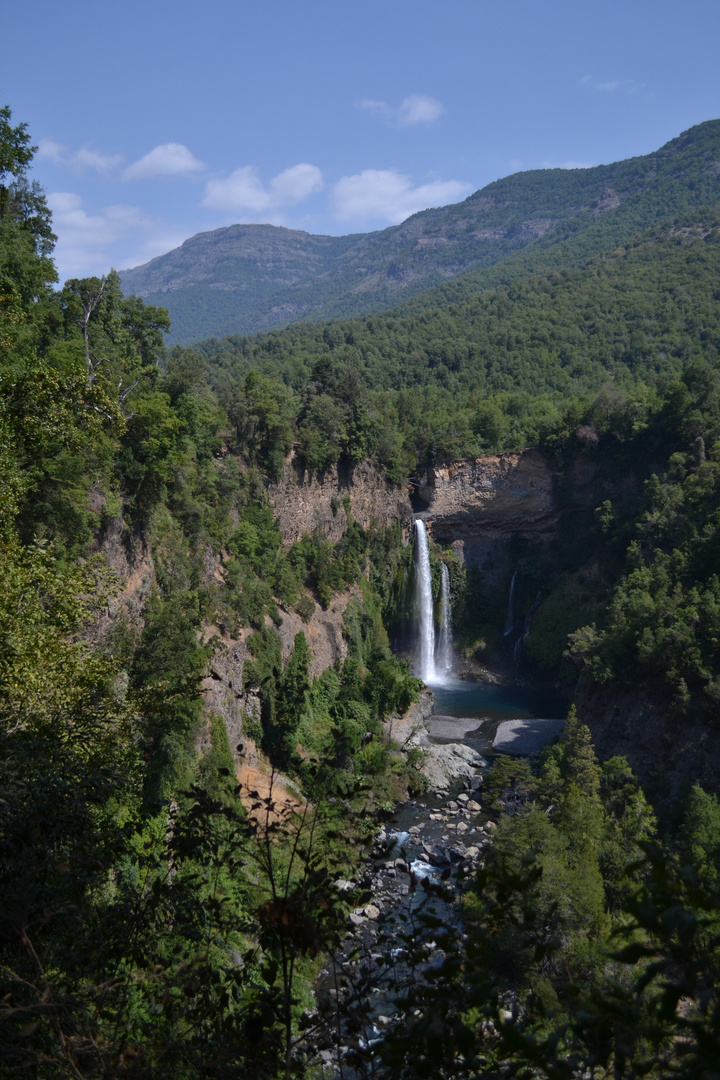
point(247, 278)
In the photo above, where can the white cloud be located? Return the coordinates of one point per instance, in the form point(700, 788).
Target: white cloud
point(380, 108)
point(296, 183)
point(78, 161)
point(169, 159)
point(419, 109)
point(244, 191)
point(389, 195)
point(118, 235)
point(86, 158)
point(415, 109)
point(52, 151)
point(625, 86)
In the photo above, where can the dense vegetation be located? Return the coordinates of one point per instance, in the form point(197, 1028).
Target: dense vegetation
point(489, 370)
point(146, 912)
point(598, 944)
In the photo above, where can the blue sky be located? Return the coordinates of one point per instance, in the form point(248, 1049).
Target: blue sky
point(157, 120)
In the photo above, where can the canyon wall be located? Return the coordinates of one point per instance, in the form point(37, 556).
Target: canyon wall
point(304, 502)
point(481, 506)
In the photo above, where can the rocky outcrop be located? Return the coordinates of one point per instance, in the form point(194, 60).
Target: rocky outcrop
point(668, 752)
point(502, 493)
point(223, 685)
point(412, 727)
point(304, 502)
point(478, 506)
point(447, 763)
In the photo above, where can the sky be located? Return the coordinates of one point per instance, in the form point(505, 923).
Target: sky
point(156, 120)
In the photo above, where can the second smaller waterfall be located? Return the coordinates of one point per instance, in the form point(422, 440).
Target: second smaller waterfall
point(444, 657)
point(511, 618)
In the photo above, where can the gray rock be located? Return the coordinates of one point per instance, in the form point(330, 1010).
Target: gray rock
point(436, 856)
point(524, 737)
point(449, 762)
point(452, 727)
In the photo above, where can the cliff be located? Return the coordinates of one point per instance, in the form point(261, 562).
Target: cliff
point(501, 494)
point(303, 502)
point(667, 751)
point(481, 506)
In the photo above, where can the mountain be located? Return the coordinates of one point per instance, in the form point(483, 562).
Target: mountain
point(247, 278)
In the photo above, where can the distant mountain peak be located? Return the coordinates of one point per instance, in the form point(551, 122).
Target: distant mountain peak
point(244, 278)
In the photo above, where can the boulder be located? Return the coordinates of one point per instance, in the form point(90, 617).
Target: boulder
point(446, 763)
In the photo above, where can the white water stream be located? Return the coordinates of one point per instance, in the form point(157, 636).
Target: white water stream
point(444, 657)
point(424, 603)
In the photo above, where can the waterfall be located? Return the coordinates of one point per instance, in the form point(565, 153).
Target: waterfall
point(424, 605)
point(511, 619)
point(445, 640)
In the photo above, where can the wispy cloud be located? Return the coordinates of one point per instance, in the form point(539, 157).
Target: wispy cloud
point(168, 159)
point(245, 192)
point(415, 109)
point(389, 195)
point(78, 161)
point(85, 240)
point(610, 86)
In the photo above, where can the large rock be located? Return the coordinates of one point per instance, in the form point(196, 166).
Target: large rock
point(524, 737)
point(411, 728)
point(449, 762)
point(452, 727)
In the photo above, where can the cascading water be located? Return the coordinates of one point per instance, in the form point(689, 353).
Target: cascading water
point(511, 618)
point(445, 640)
point(424, 604)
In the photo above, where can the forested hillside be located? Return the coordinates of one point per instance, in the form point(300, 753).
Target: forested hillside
point(141, 905)
point(160, 917)
point(247, 278)
point(495, 369)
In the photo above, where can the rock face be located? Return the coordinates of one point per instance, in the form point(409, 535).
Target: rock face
point(411, 729)
point(666, 751)
point(304, 503)
point(449, 762)
point(503, 493)
point(479, 505)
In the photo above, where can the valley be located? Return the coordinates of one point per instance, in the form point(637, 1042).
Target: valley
point(359, 679)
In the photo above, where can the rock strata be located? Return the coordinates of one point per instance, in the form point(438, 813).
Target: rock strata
point(503, 493)
point(305, 502)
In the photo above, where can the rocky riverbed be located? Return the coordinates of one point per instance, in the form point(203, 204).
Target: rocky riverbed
point(405, 918)
point(402, 925)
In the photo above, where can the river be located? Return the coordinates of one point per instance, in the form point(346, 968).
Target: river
point(408, 920)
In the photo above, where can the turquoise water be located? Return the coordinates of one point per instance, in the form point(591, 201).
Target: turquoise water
point(459, 698)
